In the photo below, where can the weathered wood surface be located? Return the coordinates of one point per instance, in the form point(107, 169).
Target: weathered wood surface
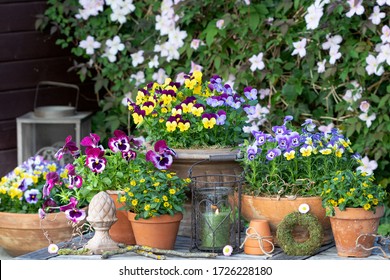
point(183, 244)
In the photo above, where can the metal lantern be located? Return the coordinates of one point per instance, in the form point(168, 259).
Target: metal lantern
point(216, 211)
point(48, 126)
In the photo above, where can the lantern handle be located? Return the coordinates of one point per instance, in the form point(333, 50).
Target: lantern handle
point(58, 84)
point(214, 158)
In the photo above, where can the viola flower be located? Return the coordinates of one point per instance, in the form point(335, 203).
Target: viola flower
point(31, 196)
point(171, 123)
point(385, 37)
point(227, 250)
point(114, 45)
point(75, 215)
point(95, 160)
point(70, 147)
point(119, 143)
point(137, 58)
point(306, 151)
point(72, 204)
point(309, 125)
point(332, 42)
point(289, 154)
point(209, 120)
point(283, 141)
point(91, 141)
point(160, 161)
point(41, 214)
point(129, 155)
point(252, 151)
point(221, 117)
point(303, 208)
point(373, 66)
point(23, 185)
point(250, 93)
point(272, 154)
point(261, 137)
point(334, 54)
point(279, 130)
point(184, 125)
point(384, 54)
point(294, 139)
point(313, 16)
point(52, 179)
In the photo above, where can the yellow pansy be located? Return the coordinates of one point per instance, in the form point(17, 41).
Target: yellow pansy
point(289, 155)
point(306, 151)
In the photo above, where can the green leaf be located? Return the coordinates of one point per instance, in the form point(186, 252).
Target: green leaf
point(210, 36)
point(217, 62)
point(254, 21)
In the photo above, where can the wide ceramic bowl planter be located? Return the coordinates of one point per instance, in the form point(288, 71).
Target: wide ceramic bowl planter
point(351, 223)
point(22, 233)
point(274, 210)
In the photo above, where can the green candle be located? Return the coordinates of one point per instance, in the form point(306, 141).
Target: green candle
point(215, 229)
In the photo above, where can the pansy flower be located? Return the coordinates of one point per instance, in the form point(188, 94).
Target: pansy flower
point(283, 141)
point(261, 137)
point(279, 129)
point(272, 154)
point(95, 160)
point(221, 117)
point(294, 139)
point(252, 151)
point(75, 215)
point(119, 143)
point(31, 196)
point(70, 147)
point(91, 141)
point(129, 155)
point(309, 125)
point(209, 120)
point(52, 179)
point(162, 156)
point(250, 93)
point(74, 179)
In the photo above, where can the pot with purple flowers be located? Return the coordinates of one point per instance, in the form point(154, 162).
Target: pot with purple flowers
point(33, 202)
point(284, 167)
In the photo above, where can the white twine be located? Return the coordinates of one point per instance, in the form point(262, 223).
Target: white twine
point(260, 239)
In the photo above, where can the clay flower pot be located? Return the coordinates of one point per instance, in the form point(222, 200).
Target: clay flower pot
point(349, 224)
point(121, 231)
point(274, 210)
point(156, 232)
point(258, 239)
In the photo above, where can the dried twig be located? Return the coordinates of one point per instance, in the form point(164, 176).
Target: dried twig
point(383, 241)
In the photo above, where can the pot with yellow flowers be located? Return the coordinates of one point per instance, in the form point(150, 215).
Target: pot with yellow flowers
point(355, 204)
point(155, 198)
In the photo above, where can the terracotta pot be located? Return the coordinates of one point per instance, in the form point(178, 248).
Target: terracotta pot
point(22, 233)
point(258, 229)
point(274, 210)
point(223, 162)
point(121, 231)
point(157, 232)
point(349, 224)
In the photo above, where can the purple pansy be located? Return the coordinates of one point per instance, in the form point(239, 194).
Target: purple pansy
point(252, 151)
point(271, 154)
point(250, 93)
point(279, 129)
point(31, 196)
point(74, 179)
point(283, 141)
point(70, 147)
point(49, 205)
point(221, 117)
point(52, 179)
point(72, 204)
point(287, 119)
point(95, 160)
point(294, 139)
point(75, 215)
point(309, 125)
point(260, 137)
point(91, 141)
point(162, 156)
point(23, 185)
point(129, 155)
point(119, 143)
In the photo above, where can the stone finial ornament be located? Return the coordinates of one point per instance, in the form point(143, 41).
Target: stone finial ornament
point(101, 215)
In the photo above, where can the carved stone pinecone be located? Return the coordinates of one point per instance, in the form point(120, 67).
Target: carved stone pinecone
point(101, 209)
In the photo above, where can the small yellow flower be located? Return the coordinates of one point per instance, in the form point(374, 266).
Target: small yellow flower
point(171, 126)
point(367, 206)
point(375, 201)
point(166, 204)
point(157, 200)
point(165, 198)
point(187, 180)
point(131, 194)
point(134, 202)
point(289, 155)
point(145, 191)
point(142, 181)
point(169, 176)
point(341, 200)
point(326, 151)
point(370, 196)
point(133, 183)
point(147, 207)
point(127, 189)
point(122, 199)
point(156, 184)
point(172, 191)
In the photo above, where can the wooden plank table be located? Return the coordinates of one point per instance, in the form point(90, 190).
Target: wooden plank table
point(183, 244)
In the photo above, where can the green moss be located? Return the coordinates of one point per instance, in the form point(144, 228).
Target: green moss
point(286, 240)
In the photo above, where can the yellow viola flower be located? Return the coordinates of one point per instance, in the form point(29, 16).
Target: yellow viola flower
point(171, 126)
point(183, 126)
point(137, 118)
point(209, 123)
point(326, 151)
point(306, 151)
point(289, 155)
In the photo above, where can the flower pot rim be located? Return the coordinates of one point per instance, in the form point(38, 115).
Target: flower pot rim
point(275, 198)
point(360, 212)
point(178, 216)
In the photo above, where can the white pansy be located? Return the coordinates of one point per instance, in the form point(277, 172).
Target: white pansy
point(356, 7)
point(376, 16)
point(89, 44)
point(368, 119)
point(385, 37)
point(153, 63)
point(384, 54)
point(332, 41)
point(321, 66)
point(300, 48)
point(257, 62)
point(368, 166)
point(137, 58)
point(373, 66)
